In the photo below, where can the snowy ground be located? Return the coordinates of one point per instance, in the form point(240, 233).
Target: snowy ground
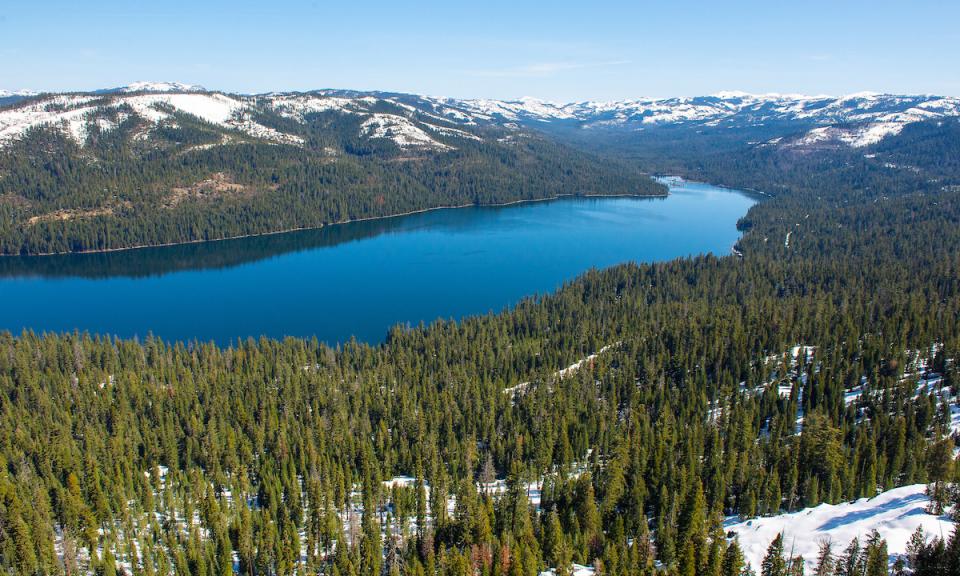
point(563, 372)
point(895, 514)
point(575, 570)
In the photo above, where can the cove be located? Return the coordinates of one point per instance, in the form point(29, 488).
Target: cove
point(359, 279)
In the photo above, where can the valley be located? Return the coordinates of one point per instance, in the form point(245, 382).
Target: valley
point(362, 278)
point(134, 166)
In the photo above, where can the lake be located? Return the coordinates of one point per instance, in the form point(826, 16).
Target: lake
point(358, 279)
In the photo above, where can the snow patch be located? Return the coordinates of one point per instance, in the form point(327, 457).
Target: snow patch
point(299, 107)
point(162, 87)
point(895, 514)
point(400, 130)
point(576, 570)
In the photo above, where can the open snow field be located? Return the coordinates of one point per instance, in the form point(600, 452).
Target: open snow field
point(895, 514)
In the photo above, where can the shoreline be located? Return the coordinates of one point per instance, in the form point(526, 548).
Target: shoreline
point(338, 223)
point(681, 179)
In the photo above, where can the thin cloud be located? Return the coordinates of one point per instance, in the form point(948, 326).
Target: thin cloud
point(542, 69)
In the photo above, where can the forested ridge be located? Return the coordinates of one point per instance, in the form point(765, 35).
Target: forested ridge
point(188, 180)
point(741, 385)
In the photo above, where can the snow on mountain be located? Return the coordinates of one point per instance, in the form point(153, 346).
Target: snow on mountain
point(298, 106)
point(410, 125)
point(411, 121)
point(401, 131)
point(74, 114)
point(161, 87)
point(9, 93)
point(523, 109)
point(213, 108)
point(856, 137)
point(453, 132)
point(896, 514)
point(872, 116)
point(8, 97)
point(67, 112)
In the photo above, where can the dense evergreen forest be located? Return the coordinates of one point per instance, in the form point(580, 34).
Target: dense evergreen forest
point(193, 181)
point(747, 385)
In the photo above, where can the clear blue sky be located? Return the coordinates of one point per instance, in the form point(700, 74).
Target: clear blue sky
point(555, 50)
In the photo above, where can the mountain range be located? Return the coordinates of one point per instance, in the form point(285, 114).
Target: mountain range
point(165, 162)
point(428, 123)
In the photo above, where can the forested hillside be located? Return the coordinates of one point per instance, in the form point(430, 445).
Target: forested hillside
point(165, 163)
point(612, 424)
point(100, 172)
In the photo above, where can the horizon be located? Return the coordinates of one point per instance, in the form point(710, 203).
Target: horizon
point(615, 51)
point(730, 93)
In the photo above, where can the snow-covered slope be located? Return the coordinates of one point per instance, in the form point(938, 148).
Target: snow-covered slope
point(8, 97)
point(409, 122)
point(161, 87)
point(865, 118)
point(724, 106)
point(403, 132)
point(76, 115)
point(895, 514)
point(8, 93)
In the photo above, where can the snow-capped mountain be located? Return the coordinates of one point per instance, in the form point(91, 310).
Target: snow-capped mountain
point(79, 115)
point(303, 159)
point(723, 106)
point(423, 126)
point(8, 93)
point(438, 124)
point(8, 97)
point(866, 117)
point(161, 87)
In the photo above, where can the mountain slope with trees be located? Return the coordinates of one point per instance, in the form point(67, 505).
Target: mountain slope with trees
point(88, 172)
point(164, 163)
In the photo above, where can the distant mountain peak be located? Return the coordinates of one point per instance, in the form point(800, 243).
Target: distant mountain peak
point(8, 93)
point(767, 96)
point(161, 87)
point(864, 95)
point(728, 94)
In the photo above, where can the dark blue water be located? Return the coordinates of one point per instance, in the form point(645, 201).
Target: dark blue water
point(359, 279)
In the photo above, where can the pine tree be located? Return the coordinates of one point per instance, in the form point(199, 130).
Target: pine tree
point(732, 559)
point(795, 567)
point(692, 526)
point(774, 563)
point(952, 553)
point(876, 556)
point(553, 542)
point(851, 562)
point(589, 515)
point(939, 471)
point(825, 561)
point(916, 546)
point(108, 564)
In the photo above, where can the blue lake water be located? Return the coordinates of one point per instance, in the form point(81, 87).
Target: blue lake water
point(359, 279)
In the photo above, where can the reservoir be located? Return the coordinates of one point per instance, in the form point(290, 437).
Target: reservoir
point(359, 279)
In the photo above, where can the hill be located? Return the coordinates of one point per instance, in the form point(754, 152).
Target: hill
point(165, 163)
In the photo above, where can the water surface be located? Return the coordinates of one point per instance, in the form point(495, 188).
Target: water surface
point(361, 278)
